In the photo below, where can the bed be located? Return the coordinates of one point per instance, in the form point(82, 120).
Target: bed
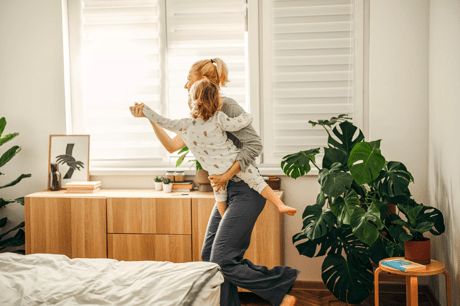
point(51, 279)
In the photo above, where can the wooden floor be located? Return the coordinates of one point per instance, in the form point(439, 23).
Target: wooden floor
point(324, 297)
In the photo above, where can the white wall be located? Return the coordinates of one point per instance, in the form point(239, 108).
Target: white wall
point(398, 85)
point(444, 148)
point(31, 92)
point(32, 100)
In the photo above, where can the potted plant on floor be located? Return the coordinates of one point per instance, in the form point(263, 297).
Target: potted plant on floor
point(201, 175)
point(350, 223)
point(19, 237)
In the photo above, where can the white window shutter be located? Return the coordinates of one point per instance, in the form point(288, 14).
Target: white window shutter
point(121, 64)
point(309, 71)
point(205, 29)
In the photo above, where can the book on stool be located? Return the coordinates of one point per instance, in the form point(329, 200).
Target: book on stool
point(403, 265)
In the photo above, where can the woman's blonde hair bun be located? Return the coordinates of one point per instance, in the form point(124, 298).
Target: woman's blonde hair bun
point(215, 70)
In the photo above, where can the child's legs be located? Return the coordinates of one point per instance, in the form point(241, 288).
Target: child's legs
point(253, 178)
point(221, 199)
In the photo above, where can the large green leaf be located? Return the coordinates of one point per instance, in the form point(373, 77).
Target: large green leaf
point(8, 155)
point(343, 208)
point(22, 176)
point(346, 137)
point(17, 240)
point(298, 164)
point(332, 243)
point(350, 280)
point(406, 206)
point(434, 215)
point(332, 156)
point(2, 125)
point(20, 225)
point(316, 221)
point(396, 179)
point(8, 138)
point(365, 162)
point(3, 221)
point(181, 159)
point(313, 247)
point(361, 224)
point(333, 181)
point(5, 202)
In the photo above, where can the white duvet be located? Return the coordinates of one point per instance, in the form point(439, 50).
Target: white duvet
point(48, 279)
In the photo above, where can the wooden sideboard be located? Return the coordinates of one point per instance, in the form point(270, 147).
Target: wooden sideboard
point(137, 224)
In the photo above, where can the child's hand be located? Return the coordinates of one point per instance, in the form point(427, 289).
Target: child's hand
point(136, 110)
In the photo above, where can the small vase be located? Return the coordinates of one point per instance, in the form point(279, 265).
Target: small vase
point(158, 186)
point(418, 251)
point(54, 178)
point(167, 187)
point(202, 179)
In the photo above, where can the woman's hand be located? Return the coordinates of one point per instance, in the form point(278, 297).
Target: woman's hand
point(219, 181)
point(136, 110)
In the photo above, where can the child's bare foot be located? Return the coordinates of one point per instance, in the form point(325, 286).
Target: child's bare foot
point(288, 300)
point(284, 209)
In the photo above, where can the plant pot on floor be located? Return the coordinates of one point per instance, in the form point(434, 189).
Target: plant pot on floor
point(167, 187)
point(202, 179)
point(158, 186)
point(418, 251)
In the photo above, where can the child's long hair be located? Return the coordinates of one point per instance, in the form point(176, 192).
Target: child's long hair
point(205, 99)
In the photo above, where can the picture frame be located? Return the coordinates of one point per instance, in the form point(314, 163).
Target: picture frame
point(71, 153)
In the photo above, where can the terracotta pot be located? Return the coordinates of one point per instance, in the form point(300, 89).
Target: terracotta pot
point(418, 251)
point(202, 179)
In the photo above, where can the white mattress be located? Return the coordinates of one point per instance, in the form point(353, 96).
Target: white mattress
point(47, 279)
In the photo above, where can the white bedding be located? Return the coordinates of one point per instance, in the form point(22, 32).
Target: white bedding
point(48, 279)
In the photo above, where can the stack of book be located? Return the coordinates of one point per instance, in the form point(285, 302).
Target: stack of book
point(83, 187)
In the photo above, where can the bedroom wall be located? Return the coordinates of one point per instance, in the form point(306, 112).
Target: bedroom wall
point(31, 92)
point(444, 144)
point(32, 100)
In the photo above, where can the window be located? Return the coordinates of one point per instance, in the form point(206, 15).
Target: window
point(289, 62)
point(312, 69)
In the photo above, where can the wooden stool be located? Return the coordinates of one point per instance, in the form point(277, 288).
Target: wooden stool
point(434, 268)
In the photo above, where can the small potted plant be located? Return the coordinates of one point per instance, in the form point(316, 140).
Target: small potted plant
point(159, 183)
point(167, 186)
point(420, 219)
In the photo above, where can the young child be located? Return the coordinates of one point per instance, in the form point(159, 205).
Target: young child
point(204, 134)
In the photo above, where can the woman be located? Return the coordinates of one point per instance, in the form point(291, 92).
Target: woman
point(227, 238)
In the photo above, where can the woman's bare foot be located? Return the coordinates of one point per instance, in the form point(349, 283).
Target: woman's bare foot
point(284, 209)
point(288, 300)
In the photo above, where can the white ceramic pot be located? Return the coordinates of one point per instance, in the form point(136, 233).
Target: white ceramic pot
point(158, 186)
point(167, 187)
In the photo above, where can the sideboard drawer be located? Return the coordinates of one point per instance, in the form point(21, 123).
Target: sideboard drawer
point(174, 248)
point(149, 215)
point(75, 227)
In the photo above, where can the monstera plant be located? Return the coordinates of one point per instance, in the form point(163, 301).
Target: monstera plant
point(350, 223)
point(19, 238)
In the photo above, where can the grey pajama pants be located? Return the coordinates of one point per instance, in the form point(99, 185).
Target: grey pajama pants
point(228, 238)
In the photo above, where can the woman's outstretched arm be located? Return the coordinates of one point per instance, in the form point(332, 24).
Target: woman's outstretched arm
point(170, 144)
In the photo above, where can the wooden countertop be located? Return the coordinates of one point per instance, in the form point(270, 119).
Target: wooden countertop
point(129, 193)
